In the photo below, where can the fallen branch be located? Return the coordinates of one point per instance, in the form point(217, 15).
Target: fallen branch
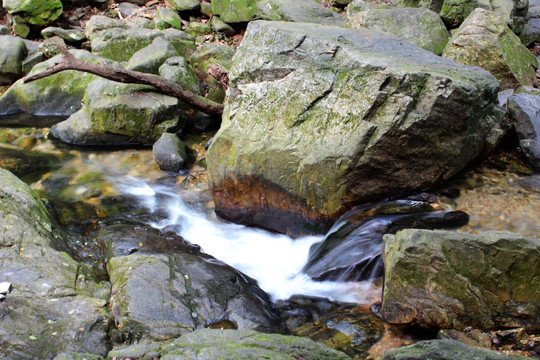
point(168, 87)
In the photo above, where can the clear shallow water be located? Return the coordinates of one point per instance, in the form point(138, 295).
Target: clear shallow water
point(274, 260)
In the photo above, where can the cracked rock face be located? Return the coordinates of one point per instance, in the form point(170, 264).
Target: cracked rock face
point(321, 118)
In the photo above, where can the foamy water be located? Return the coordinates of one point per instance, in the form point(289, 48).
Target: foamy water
point(274, 260)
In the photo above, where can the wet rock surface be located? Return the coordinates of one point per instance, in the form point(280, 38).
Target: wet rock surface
point(164, 293)
point(309, 172)
point(454, 280)
point(54, 304)
point(524, 108)
point(351, 251)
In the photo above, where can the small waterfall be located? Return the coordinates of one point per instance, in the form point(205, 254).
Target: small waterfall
point(274, 260)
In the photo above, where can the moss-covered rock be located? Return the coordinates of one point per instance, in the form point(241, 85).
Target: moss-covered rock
point(167, 18)
point(210, 344)
point(178, 70)
point(12, 53)
point(307, 11)
point(120, 114)
point(120, 44)
point(183, 5)
point(150, 58)
point(70, 36)
point(34, 12)
point(232, 11)
point(419, 26)
point(445, 350)
point(206, 55)
point(319, 118)
point(485, 40)
point(454, 12)
point(51, 308)
point(453, 280)
point(58, 94)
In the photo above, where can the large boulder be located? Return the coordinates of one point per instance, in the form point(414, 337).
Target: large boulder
point(55, 305)
point(445, 350)
point(13, 52)
point(524, 109)
point(485, 40)
point(419, 26)
point(120, 114)
point(58, 94)
point(454, 280)
point(321, 118)
point(210, 344)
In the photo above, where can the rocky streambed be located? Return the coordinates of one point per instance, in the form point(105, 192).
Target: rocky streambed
point(395, 181)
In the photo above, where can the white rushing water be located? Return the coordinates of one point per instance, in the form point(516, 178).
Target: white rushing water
point(274, 260)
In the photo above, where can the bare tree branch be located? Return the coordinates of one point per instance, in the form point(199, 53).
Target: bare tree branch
point(168, 87)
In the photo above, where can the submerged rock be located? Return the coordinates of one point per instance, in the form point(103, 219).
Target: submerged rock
point(445, 350)
point(25, 162)
point(54, 305)
point(421, 27)
point(524, 109)
point(58, 94)
point(453, 280)
point(319, 119)
point(485, 40)
point(120, 114)
point(351, 251)
point(349, 330)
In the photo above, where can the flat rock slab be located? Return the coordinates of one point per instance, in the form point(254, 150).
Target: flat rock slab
point(454, 280)
point(321, 118)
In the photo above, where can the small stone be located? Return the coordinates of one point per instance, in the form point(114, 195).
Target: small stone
point(5, 288)
point(170, 153)
point(4, 30)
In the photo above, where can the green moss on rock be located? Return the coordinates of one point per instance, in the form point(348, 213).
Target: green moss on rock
point(453, 280)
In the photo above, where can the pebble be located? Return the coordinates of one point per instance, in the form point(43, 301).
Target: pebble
point(5, 288)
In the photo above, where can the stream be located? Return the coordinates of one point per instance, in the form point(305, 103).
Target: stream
point(91, 189)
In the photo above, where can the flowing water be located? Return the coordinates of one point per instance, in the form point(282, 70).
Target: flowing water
point(110, 187)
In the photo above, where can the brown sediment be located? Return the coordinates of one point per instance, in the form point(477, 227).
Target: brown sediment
point(253, 201)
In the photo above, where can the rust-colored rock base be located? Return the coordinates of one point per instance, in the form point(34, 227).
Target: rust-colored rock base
point(252, 201)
